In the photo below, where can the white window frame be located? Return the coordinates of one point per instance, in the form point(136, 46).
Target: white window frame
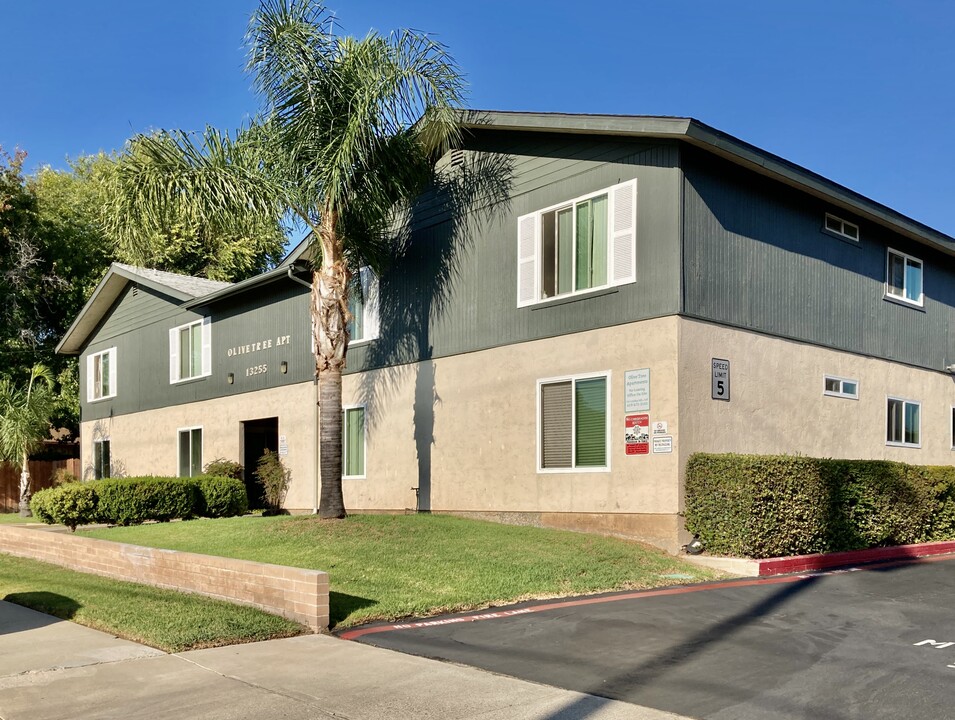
point(175, 349)
point(841, 393)
point(841, 232)
point(920, 302)
point(179, 432)
point(100, 441)
point(370, 307)
point(364, 441)
point(91, 387)
point(529, 253)
point(904, 401)
point(606, 374)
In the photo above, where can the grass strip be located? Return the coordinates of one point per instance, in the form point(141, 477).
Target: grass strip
point(164, 619)
point(12, 518)
point(384, 567)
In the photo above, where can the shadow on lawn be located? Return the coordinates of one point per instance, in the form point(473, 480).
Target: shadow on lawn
point(341, 605)
point(59, 606)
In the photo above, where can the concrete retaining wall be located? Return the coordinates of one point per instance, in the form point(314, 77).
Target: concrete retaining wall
point(295, 593)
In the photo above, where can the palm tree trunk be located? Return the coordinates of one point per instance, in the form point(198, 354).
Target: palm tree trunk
point(330, 318)
point(25, 487)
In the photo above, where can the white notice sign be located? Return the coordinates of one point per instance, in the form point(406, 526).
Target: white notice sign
point(659, 427)
point(636, 390)
point(283, 445)
point(663, 444)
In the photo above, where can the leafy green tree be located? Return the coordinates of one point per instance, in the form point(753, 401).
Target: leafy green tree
point(346, 140)
point(24, 423)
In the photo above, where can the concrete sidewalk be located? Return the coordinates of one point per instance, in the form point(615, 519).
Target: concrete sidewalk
point(52, 669)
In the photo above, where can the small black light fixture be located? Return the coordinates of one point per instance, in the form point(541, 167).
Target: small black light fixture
point(694, 547)
point(284, 367)
point(231, 378)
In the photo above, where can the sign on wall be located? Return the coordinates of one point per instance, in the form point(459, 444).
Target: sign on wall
point(663, 444)
point(283, 446)
point(638, 434)
point(720, 376)
point(636, 390)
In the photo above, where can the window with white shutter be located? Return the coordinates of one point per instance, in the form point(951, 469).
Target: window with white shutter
point(363, 306)
point(101, 375)
point(190, 350)
point(581, 245)
point(573, 434)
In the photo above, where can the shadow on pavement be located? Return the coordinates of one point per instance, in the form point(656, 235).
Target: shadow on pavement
point(52, 604)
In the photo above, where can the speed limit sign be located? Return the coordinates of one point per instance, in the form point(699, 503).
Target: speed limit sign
point(720, 379)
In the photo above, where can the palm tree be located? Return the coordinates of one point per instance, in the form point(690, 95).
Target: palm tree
point(346, 140)
point(24, 422)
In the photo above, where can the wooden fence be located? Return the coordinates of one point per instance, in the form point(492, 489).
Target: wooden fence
point(42, 473)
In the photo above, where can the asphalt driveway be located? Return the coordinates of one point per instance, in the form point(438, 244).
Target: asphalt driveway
point(865, 643)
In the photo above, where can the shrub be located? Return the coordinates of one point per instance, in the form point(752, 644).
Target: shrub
point(63, 476)
point(274, 478)
point(220, 467)
point(129, 501)
point(766, 506)
point(71, 505)
point(221, 496)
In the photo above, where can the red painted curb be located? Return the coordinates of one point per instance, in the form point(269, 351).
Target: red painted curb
point(801, 563)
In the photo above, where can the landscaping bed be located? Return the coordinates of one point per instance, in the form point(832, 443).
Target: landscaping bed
point(384, 567)
point(164, 619)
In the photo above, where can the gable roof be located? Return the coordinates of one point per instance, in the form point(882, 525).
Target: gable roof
point(693, 132)
point(180, 287)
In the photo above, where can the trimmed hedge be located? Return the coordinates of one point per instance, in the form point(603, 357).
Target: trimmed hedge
point(129, 501)
point(768, 506)
point(71, 504)
point(221, 497)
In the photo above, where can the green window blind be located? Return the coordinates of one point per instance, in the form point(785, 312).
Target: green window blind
point(590, 426)
point(354, 442)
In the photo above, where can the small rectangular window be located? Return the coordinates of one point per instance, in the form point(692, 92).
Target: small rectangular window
point(190, 350)
point(903, 278)
point(840, 387)
point(573, 431)
point(363, 306)
point(190, 452)
point(101, 375)
point(101, 463)
point(903, 423)
point(842, 227)
point(353, 442)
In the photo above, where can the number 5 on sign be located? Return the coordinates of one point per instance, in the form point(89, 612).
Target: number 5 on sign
point(720, 370)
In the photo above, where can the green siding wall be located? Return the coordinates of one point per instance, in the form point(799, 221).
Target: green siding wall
point(757, 257)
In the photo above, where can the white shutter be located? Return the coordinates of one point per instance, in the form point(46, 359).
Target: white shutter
point(207, 346)
point(623, 237)
point(174, 355)
point(112, 372)
point(527, 274)
point(89, 378)
point(369, 293)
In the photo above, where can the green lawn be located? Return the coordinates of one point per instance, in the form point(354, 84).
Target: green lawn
point(165, 619)
point(14, 517)
point(391, 566)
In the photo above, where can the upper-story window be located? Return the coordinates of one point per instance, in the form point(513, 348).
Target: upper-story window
point(101, 375)
point(583, 244)
point(841, 227)
point(190, 350)
point(841, 387)
point(903, 279)
point(363, 306)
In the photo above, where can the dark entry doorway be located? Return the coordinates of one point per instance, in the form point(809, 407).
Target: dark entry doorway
point(257, 437)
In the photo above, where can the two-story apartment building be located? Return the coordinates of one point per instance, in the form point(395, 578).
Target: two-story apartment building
point(650, 288)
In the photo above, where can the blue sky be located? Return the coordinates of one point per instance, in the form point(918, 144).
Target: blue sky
point(861, 91)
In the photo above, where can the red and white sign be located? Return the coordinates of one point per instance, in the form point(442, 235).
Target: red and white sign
point(638, 434)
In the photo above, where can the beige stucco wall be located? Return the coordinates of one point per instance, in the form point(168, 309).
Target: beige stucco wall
point(484, 429)
point(146, 443)
point(777, 403)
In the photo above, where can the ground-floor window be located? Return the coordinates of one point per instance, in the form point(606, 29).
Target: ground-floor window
point(903, 422)
point(572, 423)
point(101, 466)
point(353, 442)
point(190, 452)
